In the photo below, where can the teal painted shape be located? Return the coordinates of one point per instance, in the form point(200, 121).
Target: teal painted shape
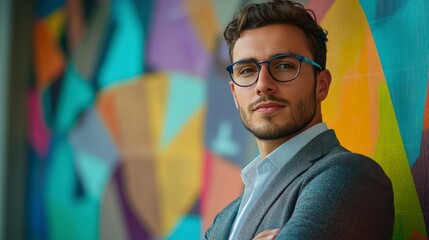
point(76, 95)
point(93, 172)
point(68, 217)
point(188, 228)
point(187, 94)
point(60, 177)
point(401, 33)
point(125, 54)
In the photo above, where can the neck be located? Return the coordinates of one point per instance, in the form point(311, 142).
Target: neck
point(267, 146)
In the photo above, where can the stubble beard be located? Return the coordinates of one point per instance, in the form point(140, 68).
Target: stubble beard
point(298, 120)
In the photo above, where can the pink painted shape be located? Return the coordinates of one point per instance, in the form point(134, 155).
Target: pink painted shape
point(221, 185)
point(319, 7)
point(38, 133)
point(205, 185)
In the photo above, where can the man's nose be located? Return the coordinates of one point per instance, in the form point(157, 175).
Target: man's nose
point(265, 84)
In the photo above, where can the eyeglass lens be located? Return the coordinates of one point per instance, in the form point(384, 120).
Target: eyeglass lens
point(283, 68)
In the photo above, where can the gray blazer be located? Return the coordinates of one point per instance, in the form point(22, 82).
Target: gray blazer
point(324, 192)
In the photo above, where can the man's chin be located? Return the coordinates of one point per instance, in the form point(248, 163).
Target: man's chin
point(267, 133)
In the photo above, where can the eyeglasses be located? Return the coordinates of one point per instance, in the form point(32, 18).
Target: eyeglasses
point(283, 67)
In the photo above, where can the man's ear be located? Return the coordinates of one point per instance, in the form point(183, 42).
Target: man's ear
point(323, 83)
point(232, 86)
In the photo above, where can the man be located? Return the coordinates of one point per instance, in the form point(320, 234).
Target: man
point(304, 184)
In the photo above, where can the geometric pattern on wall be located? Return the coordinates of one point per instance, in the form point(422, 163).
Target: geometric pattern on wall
point(133, 134)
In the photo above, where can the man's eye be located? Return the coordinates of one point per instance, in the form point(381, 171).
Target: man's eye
point(285, 66)
point(247, 71)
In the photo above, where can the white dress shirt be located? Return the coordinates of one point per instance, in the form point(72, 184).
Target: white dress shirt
point(260, 172)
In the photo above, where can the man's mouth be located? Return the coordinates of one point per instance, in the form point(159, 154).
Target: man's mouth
point(268, 107)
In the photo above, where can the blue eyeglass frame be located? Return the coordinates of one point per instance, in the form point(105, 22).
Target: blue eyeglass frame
point(299, 57)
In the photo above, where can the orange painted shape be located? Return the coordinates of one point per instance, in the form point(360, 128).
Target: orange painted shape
point(132, 118)
point(48, 58)
point(418, 236)
point(203, 17)
point(356, 119)
point(375, 78)
point(107, 109)
point(222, 187)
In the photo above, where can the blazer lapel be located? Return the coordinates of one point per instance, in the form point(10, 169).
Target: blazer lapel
point(314, 150)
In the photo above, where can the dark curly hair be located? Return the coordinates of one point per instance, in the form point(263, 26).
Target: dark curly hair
point(256, 15)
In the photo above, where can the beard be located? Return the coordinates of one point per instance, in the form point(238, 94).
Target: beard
point(298, 120)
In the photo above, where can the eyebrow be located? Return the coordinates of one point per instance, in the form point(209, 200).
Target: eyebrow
point(269, 57)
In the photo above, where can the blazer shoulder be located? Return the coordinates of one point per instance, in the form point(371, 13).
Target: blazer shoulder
point(341, 160)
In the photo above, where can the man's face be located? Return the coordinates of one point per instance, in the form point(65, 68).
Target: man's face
point(277, 110)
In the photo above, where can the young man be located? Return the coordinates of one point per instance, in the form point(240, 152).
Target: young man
point(304, 184)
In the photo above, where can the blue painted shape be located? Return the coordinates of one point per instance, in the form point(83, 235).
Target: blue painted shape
point(36, 221)
point(93, 172)
point(223, 143)
point(91, 136)
point(187, 94)
point(125, 55)
point(402, 36)
point(75, 96)
point(224, 133)
point(189, 228)
point(46, 7)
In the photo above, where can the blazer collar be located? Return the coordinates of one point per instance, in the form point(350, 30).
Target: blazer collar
point(314, 150)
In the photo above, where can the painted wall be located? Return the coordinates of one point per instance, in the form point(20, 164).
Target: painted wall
point(133, 133)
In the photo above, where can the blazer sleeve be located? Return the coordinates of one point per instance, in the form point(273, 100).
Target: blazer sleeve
point(348, 197)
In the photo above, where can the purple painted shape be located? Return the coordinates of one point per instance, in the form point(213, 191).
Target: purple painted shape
point(91, 135)
point(420, 171)
point(173, 44)
point(196, 208)
point(135, 229)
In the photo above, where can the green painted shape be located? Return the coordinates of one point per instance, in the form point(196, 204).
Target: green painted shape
point(390, 154)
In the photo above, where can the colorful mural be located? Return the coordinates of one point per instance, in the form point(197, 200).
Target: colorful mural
point(133, 133)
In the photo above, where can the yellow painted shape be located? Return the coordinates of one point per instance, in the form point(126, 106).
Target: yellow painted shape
point(346, 25)
point(390, 154)
point(156, 95)
point(56, 23)
point(203, 18)
point(179, 172)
